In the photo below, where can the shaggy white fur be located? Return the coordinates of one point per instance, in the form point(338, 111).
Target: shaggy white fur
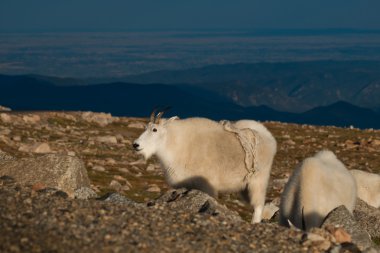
point(368, 187)
point(199, 153)
point(317, 186)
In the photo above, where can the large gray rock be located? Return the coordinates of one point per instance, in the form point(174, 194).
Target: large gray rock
point(368, 218)
point(341, 217)
point(63, 172)
point(196, 202)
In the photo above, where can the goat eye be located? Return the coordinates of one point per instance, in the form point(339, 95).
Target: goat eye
point(154, 129)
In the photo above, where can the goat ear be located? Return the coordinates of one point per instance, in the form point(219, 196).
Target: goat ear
point(173, 118)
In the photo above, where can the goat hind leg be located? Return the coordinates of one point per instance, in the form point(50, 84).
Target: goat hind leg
point(257, 187)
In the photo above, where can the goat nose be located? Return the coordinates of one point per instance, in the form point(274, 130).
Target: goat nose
point(135, 145)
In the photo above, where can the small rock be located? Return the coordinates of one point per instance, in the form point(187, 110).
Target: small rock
point(5, 109)
point(138, 125)
point(269, 211)
point(110, 161)
point(124, 170)
point(340, 235)
point(71, 153)
point(120, 138)
point(279, 183)
point(102, 119)
point(153, 188)
point(138, 162)
point(120, 199)
point(85, 193)
point(16, 138)
point(39, 148)
point(349, 144)
point(67, 116)
point(315, 237)
point(115, 185)
point(119, 178)
point(104, 139)
point(5, 118)
point(289, 142)
point(126, 187)
point(98, 168)
point(5, 131)
point(151, 167)
point(195, 201)
point(375, 143)
point(38, 186)
point(31, 119)
point(322, 243)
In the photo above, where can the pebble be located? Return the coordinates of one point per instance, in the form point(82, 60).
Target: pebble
point(98, 168)
point(38, 148)
point(289, 142)
point(153, 188)
point(31, 119)
point(5, 118)
point(138, 125)
point(105, 139)
point(151, 167)
point(115, 185)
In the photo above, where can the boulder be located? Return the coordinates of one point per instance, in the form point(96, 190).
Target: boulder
point(63, 172)
point(368, 218)
point(341, 217)
point(195, 201)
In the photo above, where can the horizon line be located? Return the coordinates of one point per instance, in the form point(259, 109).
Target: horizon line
point(257, 31)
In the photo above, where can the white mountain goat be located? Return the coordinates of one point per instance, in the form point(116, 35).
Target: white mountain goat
point(317, 186)
point(199, 153)
point(368, 185)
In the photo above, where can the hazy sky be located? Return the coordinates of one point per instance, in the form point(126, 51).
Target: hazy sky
point(111, 15)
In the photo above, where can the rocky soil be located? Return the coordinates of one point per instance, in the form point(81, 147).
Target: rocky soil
point(103, 143)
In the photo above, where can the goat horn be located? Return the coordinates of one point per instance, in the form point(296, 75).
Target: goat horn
point(159, 115)
point(153, 116)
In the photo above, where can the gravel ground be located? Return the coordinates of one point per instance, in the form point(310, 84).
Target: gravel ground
point(49, 221)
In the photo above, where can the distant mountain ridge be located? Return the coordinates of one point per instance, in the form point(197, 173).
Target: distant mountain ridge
point(136, 100)
point(289, 86)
